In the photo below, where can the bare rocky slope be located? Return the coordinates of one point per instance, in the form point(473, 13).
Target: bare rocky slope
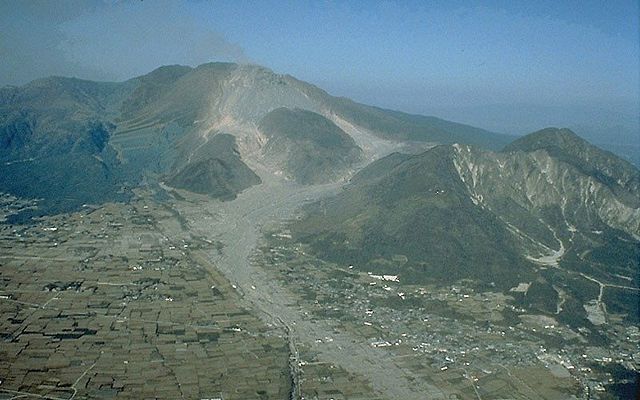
point(307, 147)
point(565, 221)
point(549, 199)
point(88, 142)
point(218, 171)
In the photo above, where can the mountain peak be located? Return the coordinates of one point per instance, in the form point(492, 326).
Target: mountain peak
point(229, 66)
point(166, 72)
point(217, 65)
point(561, 138)
point(564, 145)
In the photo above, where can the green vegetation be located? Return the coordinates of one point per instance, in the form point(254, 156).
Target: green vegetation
point(418, 208)
point(219, 171)
point(397, 125)
point(457, 213)
point(310, 148)
point(105, 138)
point(562, 144)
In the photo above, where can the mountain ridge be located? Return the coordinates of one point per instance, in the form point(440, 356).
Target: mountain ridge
point(156, 123)
point(456, 212)
point(567, 146)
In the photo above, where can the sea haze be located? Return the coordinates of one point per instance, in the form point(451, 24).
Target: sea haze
point(299, 200)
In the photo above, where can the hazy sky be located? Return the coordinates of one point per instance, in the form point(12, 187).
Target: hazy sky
point(510, 66)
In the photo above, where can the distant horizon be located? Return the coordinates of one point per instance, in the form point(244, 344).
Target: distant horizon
point(508, 67)
point(442, 112)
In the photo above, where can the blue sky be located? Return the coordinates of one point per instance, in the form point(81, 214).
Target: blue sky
point(510, 66)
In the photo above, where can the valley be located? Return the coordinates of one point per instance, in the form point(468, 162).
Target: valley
point(226, 232)
point(355, 334)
